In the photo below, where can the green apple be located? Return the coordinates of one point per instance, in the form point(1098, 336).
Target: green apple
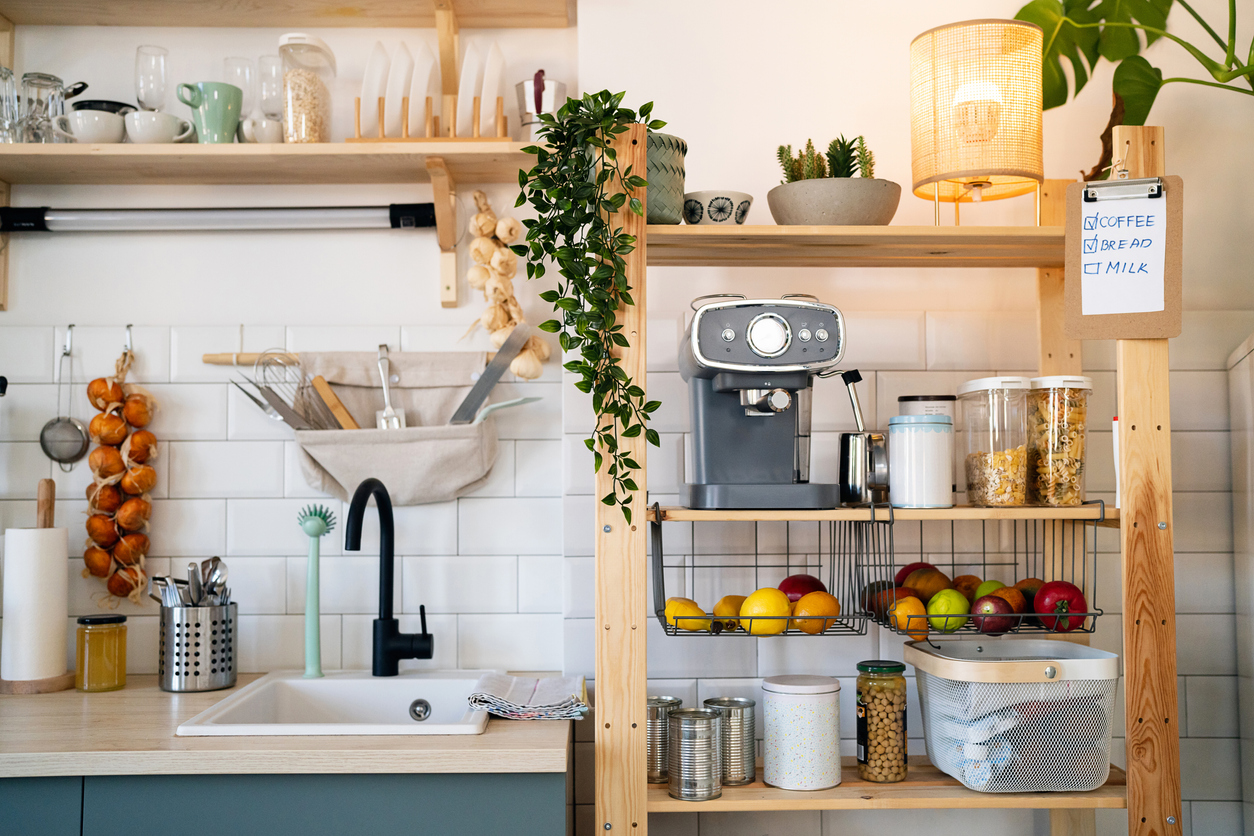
point(951, 603)
point(988, 588)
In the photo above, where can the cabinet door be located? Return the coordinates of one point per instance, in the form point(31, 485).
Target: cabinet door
point(334, 805)
point(47, 806)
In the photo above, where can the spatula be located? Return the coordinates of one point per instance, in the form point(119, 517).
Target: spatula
point(387, 418)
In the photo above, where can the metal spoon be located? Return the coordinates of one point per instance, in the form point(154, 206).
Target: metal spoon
point(194, 587)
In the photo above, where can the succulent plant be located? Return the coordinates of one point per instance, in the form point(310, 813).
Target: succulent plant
point(844, 157)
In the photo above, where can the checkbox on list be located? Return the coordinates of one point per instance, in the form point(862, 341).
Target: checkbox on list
point(1090, 224)
point(1090, 245)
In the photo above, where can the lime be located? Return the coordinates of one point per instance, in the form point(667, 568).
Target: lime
point(948, 602)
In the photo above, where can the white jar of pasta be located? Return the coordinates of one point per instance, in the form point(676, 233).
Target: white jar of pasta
point(995, 458)
point(1057, 417)
point(801, 749)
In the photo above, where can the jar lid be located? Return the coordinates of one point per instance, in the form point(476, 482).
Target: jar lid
point(1002, 382)
point(102, 618)
point(799, 684)
point(920, 419)
point(881, 666)
point(664, 701)
point(1063, 381)
point(303, 48)
point(915, 398)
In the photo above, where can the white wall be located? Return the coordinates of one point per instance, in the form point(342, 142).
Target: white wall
point(487, 566)
point(737, 80)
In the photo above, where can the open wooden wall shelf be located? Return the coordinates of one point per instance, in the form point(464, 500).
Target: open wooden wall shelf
point(925, 787)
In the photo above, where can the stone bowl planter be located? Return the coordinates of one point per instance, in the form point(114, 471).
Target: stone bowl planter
point(841, 201)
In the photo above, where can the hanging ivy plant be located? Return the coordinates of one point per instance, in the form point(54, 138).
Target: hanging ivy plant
point(577, 187)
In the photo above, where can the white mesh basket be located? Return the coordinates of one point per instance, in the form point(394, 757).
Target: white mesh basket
point(1017, 716)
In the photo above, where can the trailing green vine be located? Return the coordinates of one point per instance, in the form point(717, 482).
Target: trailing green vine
point(577, 186)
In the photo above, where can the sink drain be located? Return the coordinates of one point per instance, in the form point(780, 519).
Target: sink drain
point(420, 710)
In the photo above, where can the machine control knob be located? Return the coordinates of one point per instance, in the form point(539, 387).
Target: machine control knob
point(821, 335)
point(769, 335)
point(728, 335)
point(779, 400)
point(804, 335)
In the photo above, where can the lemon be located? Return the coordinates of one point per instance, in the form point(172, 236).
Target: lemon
point(764, 606)
point(686, 614)
point(729, 605)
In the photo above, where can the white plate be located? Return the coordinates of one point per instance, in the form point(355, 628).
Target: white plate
point(469, 87)
point(373, 87)
point(425, 83)
point(398, 85)
point(493, 84)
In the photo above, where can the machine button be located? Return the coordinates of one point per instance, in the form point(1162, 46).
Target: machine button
point(728, 335)
point(804, 335)
point(769, 335)
point(779, 400)
point(821, 335)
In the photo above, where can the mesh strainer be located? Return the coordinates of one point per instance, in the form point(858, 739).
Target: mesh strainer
point(64, 439)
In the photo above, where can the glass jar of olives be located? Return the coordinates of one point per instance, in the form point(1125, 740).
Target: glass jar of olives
point(881, 721)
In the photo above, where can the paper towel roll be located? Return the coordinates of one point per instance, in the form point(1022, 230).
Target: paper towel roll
point(36, 603)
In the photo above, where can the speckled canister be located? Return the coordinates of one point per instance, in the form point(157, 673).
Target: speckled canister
point(802, 730)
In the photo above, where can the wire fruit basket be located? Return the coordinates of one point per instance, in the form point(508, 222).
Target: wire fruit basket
point(1022, 716)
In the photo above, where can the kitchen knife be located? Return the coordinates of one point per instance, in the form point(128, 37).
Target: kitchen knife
point(289, 415)
point(483, 387)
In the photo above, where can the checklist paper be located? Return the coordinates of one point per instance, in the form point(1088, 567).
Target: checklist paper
point(1122, 255)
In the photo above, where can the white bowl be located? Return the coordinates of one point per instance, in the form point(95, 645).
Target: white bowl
point(716, 207)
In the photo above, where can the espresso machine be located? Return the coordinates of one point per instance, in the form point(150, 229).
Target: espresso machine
point(750, 366)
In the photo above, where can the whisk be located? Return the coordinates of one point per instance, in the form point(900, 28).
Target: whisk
point(283, 374)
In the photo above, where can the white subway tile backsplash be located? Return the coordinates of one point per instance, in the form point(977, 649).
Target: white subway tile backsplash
point(1215, 817)
point(978, 340)
point(460, 584)
point(1210, 769)
point(1199, 400)
point(29, 356)
point(225, 469)
point(189, 344)
point(277, 642)
point(247, 422)
point(510, 642)
point(189, 412)
point(806, 655)
point(443, 338)
point(661, 824)
point(890, 385)
point(345, 584)
point(1203, 582)
point(540, 583)
point(542, 419)
point(579, 587)
point(1203, 522)
point(1208, 337)
point(191, 528)
point(22, 465)
point(885, 340)
point(358, 642)
point(268, 527)
point(259, 585)
point(537, 468)
point(577, 414)
point(578, 647)
point(772, 823)
point(684, 689)
point(662, 348)
point(516, 526)
point(831, 410)
point(419, 529)
point(1206, 645)
point(673, 657)
point(1214, 703)
point(672, 391)
point(1201, 461)
point(26, 408)
point(577, 461)
point(97, 348)
point(343, 338)
point(294, 484)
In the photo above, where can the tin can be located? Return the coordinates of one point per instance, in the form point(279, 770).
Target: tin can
point(738, 747)
point(657, 734)
point(695, 769)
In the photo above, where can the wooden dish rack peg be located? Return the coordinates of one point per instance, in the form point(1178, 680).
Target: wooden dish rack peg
point(431, 129)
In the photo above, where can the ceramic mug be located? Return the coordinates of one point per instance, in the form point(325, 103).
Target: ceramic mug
point(89, 126)
point(152, 126)
point(215, 109)
point(263, 130)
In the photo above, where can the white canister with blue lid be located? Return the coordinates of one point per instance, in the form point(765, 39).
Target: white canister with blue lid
point(920, 461)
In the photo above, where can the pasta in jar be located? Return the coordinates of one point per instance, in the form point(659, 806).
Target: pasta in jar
point(1057, 418)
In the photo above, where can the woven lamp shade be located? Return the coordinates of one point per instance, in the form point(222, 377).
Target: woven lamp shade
point(975, 110)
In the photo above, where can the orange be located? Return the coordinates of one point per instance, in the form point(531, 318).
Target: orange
point(901, 612)
point(768, 608)
point(967, 584)
point(815, 604)
point(1014, 597)
point(927, 582)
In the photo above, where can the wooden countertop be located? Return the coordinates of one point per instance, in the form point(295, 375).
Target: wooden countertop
point(131, 732)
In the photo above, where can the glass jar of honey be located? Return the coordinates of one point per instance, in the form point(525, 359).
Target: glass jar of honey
point(101, 653)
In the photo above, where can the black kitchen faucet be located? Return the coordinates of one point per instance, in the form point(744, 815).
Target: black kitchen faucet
point(390, 644)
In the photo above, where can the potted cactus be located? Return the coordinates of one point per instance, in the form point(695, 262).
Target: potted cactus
point(821, 189)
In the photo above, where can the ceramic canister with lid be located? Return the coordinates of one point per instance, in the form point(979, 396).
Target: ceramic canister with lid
point(802, 732)
point(920, 461)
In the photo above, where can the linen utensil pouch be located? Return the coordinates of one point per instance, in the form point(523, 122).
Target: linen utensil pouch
point(428, 461)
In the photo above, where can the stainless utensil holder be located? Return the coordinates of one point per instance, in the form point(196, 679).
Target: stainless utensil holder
point(658, 736)
point(738, 748)
point(198, 648)
point(695, 768)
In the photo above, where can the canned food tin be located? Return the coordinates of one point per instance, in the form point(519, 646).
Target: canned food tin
point(695, 765)
point(736, 729)
point(657, 734)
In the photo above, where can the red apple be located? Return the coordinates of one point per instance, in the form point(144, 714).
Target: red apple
point(993, 615)
point(905, 571)
point(795, 586)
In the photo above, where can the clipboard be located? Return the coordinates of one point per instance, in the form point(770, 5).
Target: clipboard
point(1106, 248)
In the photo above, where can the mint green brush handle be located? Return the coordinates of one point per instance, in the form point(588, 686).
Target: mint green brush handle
point(316, 521)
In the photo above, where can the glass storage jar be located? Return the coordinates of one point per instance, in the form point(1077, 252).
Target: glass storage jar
point(1057, 417)
point(308, 69)
point(995, 459)
point(101, 656)
point(882, 755)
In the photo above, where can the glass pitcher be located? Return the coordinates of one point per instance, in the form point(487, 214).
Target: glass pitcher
point(43, 99)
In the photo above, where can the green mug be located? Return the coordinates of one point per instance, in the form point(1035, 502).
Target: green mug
point(215, 109)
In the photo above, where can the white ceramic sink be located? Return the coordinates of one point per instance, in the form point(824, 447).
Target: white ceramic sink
point(345, 702)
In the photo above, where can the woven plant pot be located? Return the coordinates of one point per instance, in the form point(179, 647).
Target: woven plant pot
point(666, 178)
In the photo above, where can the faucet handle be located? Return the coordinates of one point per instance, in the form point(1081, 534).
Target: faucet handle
point(422, 615)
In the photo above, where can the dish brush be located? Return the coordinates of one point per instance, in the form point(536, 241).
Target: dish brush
point(316, 521)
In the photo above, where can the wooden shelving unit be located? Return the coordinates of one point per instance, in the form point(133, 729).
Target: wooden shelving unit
point(959, 512)
point(925, 787)
point(855, 246)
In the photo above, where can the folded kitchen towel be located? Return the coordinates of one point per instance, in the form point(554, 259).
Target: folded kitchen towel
point(528, 698)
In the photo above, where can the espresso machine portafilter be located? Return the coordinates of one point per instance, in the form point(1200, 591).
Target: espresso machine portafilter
point(750, 365)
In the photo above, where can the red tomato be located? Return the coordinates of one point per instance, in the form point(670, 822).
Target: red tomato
point(1061, 606)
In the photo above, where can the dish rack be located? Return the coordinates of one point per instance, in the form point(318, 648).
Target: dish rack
point(840, 554)
point(1003, 550)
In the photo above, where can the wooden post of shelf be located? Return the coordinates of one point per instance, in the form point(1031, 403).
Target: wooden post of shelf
point(1059, 355)
point(445, 198)
point(6, 60)
point(446, 31)
point(1149, 600)
point(621, 600)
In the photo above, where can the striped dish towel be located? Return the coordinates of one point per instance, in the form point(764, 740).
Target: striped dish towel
point(527, 698)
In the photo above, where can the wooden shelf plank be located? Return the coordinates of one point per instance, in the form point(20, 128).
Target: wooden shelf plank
point(958, 512)
point(926, 787)
point(855, 246)
point(288, 14)
point(191, 164)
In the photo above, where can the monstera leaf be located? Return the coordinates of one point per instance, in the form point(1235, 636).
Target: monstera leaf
point(1063, 41)
point(1138, 83)
point(1119, 42)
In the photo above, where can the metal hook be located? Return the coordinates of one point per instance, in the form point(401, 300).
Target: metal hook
point(130, 342)
point(69, 341)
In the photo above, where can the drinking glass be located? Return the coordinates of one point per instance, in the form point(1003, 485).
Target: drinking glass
point(8, 107)
point(150, 76)
point(270, 75)
point(240, 72)
point(43, 99)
